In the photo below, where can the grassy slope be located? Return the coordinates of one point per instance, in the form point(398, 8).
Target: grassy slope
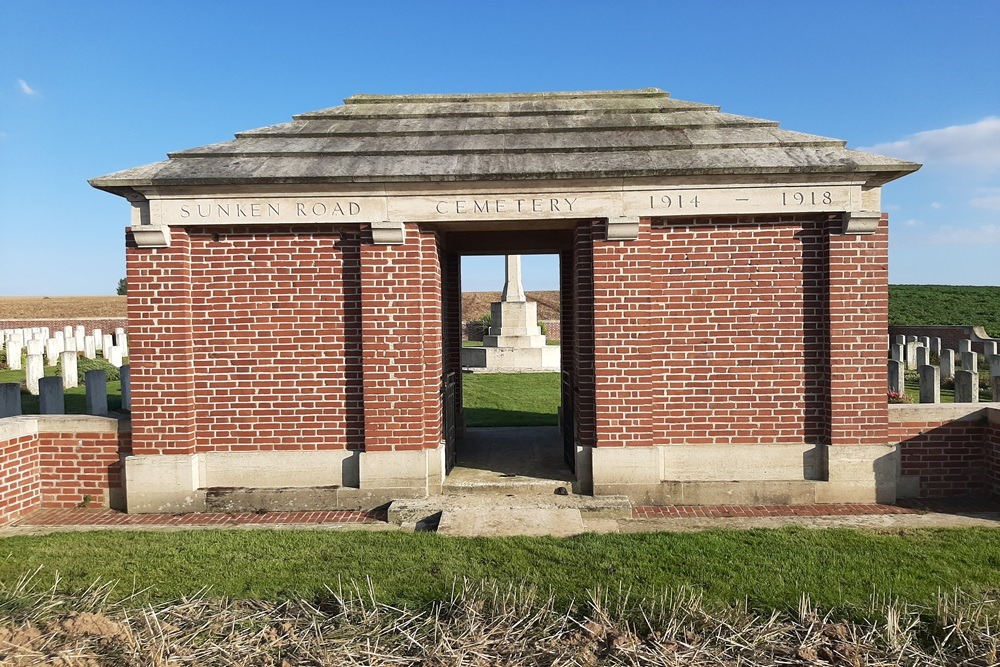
point(511, 399)
point(770, 568)
point(945, 304)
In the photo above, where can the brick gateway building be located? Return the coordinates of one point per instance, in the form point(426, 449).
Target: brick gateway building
point(294, 299)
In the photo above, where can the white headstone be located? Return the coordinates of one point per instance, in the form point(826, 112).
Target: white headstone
point(13, 350)
point(989, 349)
point(125, 375)
point(106, 344)
point(947, 364)
point(97, 392)
point(89, 347)
point(115, 356)
point(50, 396)
point(10, 399)
point(67, 331)
point(930, 384)
point(964, 346)
point(36, 346)
point(34, 371)
point(52, 351)
point(123, 344)
point(78, 334)
point(67, 361)
point(970, 362)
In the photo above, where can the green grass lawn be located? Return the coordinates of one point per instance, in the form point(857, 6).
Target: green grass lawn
point(772, 569)
point(511, 399)
point(76, 397)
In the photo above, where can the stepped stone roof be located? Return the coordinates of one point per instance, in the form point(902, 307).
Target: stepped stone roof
point(605, 134)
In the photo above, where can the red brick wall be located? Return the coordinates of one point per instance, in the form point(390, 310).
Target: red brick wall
point(948, 456)
point(992, 453)
point(739, 352)
point(858, 315)
point(20, 481)
point(402, 344)
point(42, 467)
point(161, 346)
point(275, 318)
point(76, 465)
point(623, 339)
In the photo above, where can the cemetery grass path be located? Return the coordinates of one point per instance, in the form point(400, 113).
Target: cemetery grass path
point(838, 568)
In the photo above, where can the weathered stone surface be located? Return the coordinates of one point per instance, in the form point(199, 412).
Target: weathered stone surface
point(605, 134)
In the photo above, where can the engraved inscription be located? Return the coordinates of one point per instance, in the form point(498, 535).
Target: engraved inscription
point(215, 211)
point(677, 200)
point(495, 206)
point(806, 197)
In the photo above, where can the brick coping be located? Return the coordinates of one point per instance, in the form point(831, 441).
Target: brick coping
point(111, 518)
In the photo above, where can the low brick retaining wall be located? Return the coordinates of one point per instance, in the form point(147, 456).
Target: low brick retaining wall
point(61, 461)
point(946, 449)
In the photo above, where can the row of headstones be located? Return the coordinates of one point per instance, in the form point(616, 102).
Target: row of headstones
point(913, 353)
point(36, 340)
point(52, 397)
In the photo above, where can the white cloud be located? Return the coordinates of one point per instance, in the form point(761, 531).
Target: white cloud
point(26, 89)
point(912, 223)
point(3, 135)
point(966, 236)
point(990, 203)
point(935, 204)
point(975, 144)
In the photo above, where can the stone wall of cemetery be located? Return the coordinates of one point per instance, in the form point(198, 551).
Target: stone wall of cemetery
point(61, 461)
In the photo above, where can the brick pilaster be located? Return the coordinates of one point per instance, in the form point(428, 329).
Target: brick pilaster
point(398, 366)
point(622, 340)
point(858, 310)
point(161, 346)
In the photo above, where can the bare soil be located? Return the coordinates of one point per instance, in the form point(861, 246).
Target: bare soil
point(60, 307)
point(477, 304)
point(474, 306)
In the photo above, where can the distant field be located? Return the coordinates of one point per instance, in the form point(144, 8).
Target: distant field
point(945, 304)
point(32, 307)
point(908, 304)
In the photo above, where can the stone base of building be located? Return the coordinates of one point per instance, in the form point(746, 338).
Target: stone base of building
point(546, 357)
point(662, 475)
point(279, 480)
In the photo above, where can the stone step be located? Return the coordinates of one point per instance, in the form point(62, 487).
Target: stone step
point(534, 521)
point(427, 509)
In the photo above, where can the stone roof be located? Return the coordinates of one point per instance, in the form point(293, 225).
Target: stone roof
point(606, 134)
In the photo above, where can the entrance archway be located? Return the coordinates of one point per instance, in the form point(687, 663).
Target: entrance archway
point(545, 455)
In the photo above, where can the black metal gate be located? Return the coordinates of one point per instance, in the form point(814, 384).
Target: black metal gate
point(568, 421)
point(450, 409)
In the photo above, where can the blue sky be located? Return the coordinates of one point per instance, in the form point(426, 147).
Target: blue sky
point(90, 88)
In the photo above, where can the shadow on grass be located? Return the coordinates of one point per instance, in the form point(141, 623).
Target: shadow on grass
point(476, 417)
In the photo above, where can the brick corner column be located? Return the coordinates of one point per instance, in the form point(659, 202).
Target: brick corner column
point(858, 312)
point(622, 344)
point(161, 353)
point(398, 322)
